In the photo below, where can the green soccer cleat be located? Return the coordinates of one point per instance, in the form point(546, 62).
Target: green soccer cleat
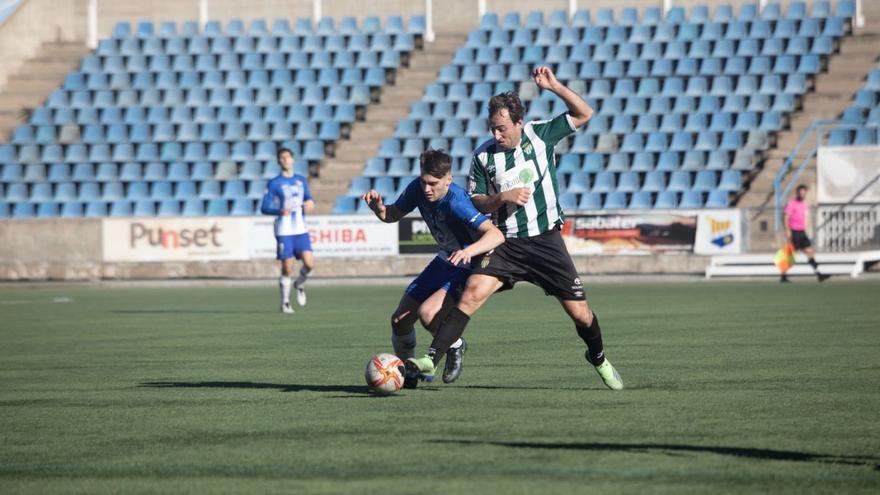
point(610, 375)
point(416, 369)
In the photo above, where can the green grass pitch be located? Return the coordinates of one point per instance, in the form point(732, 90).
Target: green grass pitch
point(735, 387)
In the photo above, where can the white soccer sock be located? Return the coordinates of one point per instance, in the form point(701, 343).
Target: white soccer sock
point(303, 276)
point(404, 345)
point(284, 283)
point(456, 345)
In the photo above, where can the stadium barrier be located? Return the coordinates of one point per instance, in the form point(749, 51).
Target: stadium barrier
point(346, 246)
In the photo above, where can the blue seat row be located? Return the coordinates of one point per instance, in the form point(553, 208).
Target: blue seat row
point(246, 45)
point(655, 53)
point(136, 190)
point(616, 69)
point(149, 171)
point(170, 134)
point(129, 208)
point(617, 200)
point(169, 151)
point(348, 74)
point(218, 96)
point(652, 16)
point(198, 97)
point(134, 65)
point(686, 32)
point(258, 27)
point(185, 116)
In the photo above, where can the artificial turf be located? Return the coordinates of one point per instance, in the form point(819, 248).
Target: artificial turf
point(732, 387)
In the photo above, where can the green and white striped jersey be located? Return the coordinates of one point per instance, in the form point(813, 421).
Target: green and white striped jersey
point(532, 164)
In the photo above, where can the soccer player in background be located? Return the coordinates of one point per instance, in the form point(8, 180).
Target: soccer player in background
point(513, 177)
point(288, 198)
point(462, 233)
point(795, 215)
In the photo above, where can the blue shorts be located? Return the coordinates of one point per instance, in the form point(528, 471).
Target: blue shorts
point(290, 246)
point(438, 275)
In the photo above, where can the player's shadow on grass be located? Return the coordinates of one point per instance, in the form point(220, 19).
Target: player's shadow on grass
point(675, 450)
point(282, 387)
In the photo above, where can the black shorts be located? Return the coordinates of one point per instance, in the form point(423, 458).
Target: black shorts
point(542, 260)
point(799, 240)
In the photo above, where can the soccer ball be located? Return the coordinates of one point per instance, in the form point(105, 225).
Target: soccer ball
point(384, 373)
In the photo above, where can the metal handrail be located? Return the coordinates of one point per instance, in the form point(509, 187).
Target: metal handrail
point(819, 127)
point(850, 202)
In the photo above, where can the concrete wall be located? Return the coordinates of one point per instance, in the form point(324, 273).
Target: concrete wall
point(36, 22)
point(70, 249)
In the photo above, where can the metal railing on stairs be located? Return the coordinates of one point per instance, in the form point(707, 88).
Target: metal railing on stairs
point(811, 139)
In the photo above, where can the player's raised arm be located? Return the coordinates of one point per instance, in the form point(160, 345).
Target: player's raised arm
point(578, 109)
point(388, 214)
point(490, 238)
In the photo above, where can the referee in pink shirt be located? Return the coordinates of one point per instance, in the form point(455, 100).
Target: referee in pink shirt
point(795, 230)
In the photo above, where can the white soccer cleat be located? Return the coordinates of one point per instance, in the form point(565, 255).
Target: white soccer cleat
point(285, 308)
point(609, 375)
point(300, 295)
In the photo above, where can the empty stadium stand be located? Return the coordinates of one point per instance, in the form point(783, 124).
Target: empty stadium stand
point(173, 120)
point(694, 108)
point(687, 103)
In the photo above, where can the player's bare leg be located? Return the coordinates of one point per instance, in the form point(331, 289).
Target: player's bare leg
point(308, 262)
point(587, 326)
point(284, 283)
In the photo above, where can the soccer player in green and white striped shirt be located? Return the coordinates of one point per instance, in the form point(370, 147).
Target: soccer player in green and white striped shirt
point(513, 177)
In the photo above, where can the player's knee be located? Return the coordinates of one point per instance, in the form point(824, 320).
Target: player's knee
point(426, 316)
point(472, 298)
point(401, 322)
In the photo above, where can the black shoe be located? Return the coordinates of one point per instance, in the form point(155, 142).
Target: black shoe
point(784, 279)
point(410, 376)
point(454, 357)
point(823, 277)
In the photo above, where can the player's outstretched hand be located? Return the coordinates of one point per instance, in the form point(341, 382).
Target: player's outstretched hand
point(373, 199)
point(517, 196)
point(544, 78)
point(460, 256)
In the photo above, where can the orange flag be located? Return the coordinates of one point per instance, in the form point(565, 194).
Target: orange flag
point(784, 258)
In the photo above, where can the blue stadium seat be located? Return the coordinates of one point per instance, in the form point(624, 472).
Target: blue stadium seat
point(121, 208)
point(590, 201)
point(95, 209)
point(89, 191)
point(168, 208)
point(691, 199)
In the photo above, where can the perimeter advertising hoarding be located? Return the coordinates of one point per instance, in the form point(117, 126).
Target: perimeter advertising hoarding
point(415, 238)
point(630, 233)
point(719, 232)
point(175, 239)
point(332, 236)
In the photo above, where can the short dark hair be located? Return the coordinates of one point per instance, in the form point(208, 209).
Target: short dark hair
point(509, 100)
point(802, 186)
point(436, 163)
point(283, 150)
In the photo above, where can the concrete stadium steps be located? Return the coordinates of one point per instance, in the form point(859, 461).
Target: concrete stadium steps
point(381, 119)
point(751, 265)
point(36, 78)
point(832, 94)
